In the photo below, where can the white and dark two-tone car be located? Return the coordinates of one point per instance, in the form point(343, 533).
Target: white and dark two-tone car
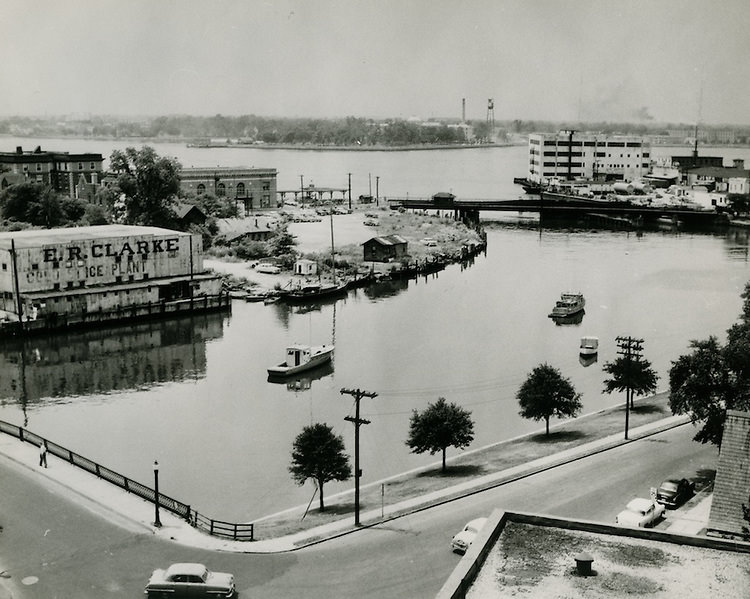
point(189, 580)
point(640, 513)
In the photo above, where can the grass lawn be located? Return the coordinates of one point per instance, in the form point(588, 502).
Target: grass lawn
point(472, 464)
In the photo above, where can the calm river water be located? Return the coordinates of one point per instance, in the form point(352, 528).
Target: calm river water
point(193, 393)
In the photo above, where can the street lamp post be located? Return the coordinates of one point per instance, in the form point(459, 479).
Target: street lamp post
point(157, 522)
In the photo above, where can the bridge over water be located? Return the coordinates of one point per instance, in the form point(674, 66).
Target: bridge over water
point(564, 206)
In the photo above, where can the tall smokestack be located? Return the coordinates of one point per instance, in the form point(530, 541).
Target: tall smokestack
point(463, 110)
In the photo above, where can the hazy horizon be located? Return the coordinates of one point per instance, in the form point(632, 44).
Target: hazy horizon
point(672, 61)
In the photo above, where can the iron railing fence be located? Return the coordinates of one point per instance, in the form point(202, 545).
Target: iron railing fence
point(217, 528)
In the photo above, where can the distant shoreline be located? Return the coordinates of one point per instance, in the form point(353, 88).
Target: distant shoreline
point(353, 148)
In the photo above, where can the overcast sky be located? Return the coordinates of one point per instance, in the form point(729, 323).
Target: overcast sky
point(666, 60)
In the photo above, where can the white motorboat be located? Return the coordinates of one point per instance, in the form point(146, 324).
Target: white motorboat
point(568, 305)
point(302, 357)
point(589, 346)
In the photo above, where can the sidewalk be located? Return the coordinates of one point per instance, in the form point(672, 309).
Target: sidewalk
point(133, 513)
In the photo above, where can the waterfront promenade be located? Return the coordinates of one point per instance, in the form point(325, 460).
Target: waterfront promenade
point(494, 465)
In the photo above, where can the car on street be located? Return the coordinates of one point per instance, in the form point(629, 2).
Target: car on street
point(189, 580)
point(673, 492)
point(640, 513)
point(460, 543)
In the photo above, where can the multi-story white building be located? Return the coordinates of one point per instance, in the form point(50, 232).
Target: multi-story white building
point(569, 155)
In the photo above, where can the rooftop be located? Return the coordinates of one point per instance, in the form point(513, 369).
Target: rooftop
point(36, 237)
point(533, 556)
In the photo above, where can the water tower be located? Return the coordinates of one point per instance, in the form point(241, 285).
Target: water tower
point(491, 113)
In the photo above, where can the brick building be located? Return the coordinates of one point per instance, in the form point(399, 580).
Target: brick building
point(66, 173)
point(732, 485)
point(251, 188)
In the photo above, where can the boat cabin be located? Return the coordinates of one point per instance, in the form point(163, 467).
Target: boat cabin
point(297, 354)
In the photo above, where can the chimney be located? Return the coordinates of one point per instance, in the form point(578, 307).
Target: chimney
point(19, 150)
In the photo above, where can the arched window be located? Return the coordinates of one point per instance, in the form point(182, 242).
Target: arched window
point(201, 189)
point(221, 190)
point(240, 190)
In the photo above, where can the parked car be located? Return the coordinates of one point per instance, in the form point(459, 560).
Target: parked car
point(189, 580)
point(674, 492)
point(460, 543)
point(640, 513)
point(267, 268)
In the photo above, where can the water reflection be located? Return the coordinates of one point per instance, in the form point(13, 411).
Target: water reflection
point(737, 242)
point(104, 360)
point(303, 381)
point(586, 361)
point(384, 289)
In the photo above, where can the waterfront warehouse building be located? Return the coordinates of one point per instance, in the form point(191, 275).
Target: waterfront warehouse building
point(65, 277)
point(250, 188)
point(62, 171)
point(570, 155)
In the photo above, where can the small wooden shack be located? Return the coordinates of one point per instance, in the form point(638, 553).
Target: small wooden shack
point(385, 248)
point(305, 267)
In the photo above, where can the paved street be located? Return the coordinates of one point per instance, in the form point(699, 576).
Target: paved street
point(62, 545)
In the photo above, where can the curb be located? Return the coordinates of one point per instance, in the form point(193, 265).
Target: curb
point(501, 480)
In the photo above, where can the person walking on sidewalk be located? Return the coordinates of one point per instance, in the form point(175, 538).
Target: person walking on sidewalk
point(43, 454)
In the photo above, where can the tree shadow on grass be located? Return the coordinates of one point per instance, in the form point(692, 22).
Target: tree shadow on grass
point(457, 471)
point(559, 437)
point(335, 509)
point(647, 409)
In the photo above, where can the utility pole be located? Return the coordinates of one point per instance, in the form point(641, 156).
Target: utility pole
point(631, 348)
point(350, 192)
point(357, 421)
point(377, 190)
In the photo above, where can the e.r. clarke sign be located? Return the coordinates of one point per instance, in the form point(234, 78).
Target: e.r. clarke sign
point(103, 250)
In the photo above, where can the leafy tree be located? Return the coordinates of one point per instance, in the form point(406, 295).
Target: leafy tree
point(150, 185)
point(33, 203)
point(633, 375)
point(440, 426)
point(702, 385)
point(318, 454)
point(95, 215)
point(222, 207)
point(713, 379)
point(546, 393)
point(282, 245)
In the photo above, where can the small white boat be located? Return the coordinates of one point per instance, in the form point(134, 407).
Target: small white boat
point(567, 305)
point(589, 346)
point(302, 357)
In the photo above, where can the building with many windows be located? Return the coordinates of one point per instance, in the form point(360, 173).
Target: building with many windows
point(65, 172)
point(569, 155)
point(251, 188)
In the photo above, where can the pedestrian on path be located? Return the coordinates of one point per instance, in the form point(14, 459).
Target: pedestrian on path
point(43, 454)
